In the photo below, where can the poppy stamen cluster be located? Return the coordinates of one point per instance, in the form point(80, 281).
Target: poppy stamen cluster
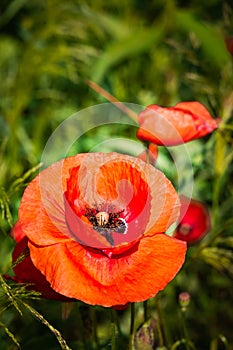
point(184, 229)
point(106, 223)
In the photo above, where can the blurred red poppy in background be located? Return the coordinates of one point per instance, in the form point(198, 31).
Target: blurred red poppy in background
point(94, 225)
point(169, 126)
point(194, 221)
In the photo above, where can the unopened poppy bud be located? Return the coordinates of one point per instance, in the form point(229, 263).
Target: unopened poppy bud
point(184, 299)
point(144, 338)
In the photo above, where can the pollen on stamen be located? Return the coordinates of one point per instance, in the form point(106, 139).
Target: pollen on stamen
point(102, 218)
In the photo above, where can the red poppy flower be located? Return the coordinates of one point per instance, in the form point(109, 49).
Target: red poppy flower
point(95, 224)
point(171, 126)
point(194, 221)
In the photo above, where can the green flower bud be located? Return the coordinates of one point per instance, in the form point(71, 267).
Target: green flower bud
point(184, 300)
point(144, 338)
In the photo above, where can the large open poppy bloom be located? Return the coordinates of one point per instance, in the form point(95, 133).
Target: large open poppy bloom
point(169, 126)
point(95, 224)
point(195, 221)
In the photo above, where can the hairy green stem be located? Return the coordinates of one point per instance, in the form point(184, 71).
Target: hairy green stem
point(94, 328)
point(185, 330)
point(113, 330)
point(159, 323)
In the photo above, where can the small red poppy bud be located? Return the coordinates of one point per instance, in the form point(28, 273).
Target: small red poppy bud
point(184, 300)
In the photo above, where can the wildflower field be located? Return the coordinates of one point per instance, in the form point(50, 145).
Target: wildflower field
point(116, 168)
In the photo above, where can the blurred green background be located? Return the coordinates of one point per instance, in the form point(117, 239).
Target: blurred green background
point(147, 52)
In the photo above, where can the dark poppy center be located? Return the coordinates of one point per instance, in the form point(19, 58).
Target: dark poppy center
point(107, 223)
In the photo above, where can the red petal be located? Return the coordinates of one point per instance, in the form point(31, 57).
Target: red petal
point(41, 211)
point(17, 232)
point(96, 279)
point(26, 272)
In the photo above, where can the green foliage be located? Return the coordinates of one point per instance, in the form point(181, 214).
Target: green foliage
point(141, 52)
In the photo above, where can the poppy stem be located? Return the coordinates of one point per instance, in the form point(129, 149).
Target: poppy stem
point(113, 330)
point(220, 167)
point(94, 327)
point(113, 100)
point(147, 152)
point(185, 331)
point(81, 328)
point(145, 310)
point(132, 321)
point(159, 323)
